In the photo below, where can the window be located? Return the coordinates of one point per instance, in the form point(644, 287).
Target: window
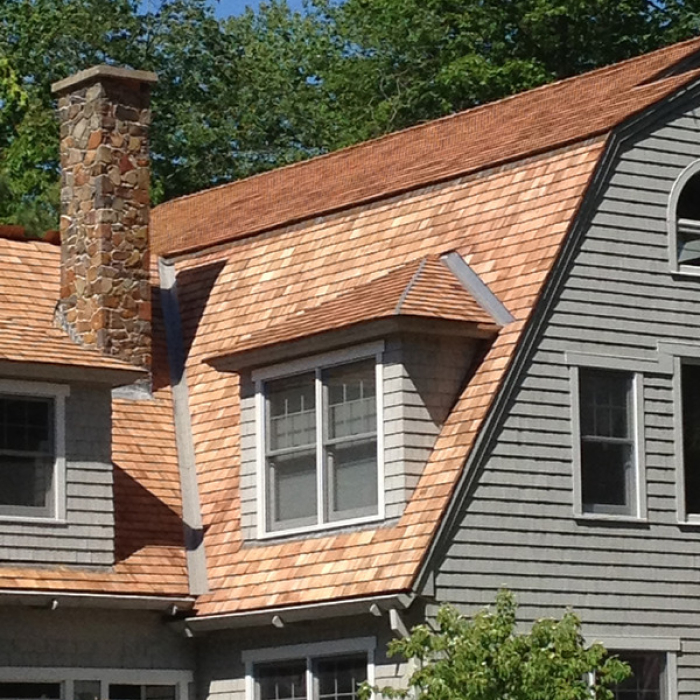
point(607, 457)
point(31, 449)
point(320, 442)
point(30, 691)
point(647, 681)
point(690, 408)
point(684, 220)
point(332, 670)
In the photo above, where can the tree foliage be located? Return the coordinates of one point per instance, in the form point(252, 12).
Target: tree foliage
point(485, 658)
point(243, 94)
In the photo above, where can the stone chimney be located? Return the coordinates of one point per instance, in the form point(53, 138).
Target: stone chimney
point(105, 294)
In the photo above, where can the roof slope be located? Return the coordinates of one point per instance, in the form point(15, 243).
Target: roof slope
point(542, 119)
point(150, 558)
point(423, 288)
point(507, 223)
point(29, 290)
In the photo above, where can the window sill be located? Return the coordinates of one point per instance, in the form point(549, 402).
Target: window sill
point(33, 520)
point(324, 527)
point(610, 519)
point(686, 272)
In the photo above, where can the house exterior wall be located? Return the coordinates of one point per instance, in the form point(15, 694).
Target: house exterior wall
point(90, 639)
point(86, 537)
point(635, 580)
point(221, 667)
point(421, 379)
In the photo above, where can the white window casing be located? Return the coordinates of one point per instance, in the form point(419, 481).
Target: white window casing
point(308, 653)
point(58, 393)
point(316, 365)
point(683, 232)
point(637, 506)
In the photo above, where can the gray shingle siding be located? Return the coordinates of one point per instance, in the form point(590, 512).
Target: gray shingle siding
point(87, 536)
point(518, 527)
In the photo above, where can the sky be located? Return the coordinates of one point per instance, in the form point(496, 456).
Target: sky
point(224, 8)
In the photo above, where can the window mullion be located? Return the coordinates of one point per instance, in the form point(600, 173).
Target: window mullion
point(320, 456)
point(311, 693)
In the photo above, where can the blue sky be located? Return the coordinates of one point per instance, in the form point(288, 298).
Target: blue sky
point(235, 7)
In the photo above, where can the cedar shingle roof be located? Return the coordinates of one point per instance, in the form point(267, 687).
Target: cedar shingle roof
point(501, 185)
point(507, 223)
point(423, 288)
point(29, 287)
point(519, 126)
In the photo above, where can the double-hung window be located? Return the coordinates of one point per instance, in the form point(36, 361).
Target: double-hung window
point(31, 449)
point(319, 433)
point(607, 456)
point(333, 670)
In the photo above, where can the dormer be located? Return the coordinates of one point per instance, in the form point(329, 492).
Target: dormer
point(341, 402)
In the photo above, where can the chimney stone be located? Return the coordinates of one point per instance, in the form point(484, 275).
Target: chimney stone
point(105, 292)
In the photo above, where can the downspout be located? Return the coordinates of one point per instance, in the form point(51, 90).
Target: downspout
point(191, 509)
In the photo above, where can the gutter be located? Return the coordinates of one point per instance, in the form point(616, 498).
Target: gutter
point(377, 606)
point(53, 600)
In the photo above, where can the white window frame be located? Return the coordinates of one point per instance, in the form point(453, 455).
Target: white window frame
point(310, 653)
point(672, 221)
point(106, 677)
point(668, 646)
point(682, 355)
point(316, 363)
point(59, 393)
point(612, 364)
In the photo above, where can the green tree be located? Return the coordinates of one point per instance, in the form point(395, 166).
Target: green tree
point(486, 658)
point(406, 61)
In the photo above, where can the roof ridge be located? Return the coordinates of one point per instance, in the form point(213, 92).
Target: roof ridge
point(592, 74)
point(410, 285)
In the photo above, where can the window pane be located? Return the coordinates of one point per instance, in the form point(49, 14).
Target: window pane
point(646, 681)
point(86, 690)
point(160, 692)
point(292, 480)
point(606, 471)
point(339, 678)
point(605, 403)
point(26, 424)
point(690, 390)
point(26, 481)
point(352, 399)
point(291, 406)
point(124, 691)
point(282, 681)
point(353, 479)
point(30, 691)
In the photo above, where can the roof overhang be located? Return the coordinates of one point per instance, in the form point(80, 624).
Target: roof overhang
point(46, 371)
point(354, 334)
point(279, 617)
point(52, 600)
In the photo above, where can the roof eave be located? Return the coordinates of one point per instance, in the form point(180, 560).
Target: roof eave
point(48, 371)
point(349, 335)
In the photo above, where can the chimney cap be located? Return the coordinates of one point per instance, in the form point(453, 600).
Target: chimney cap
point(102, 72)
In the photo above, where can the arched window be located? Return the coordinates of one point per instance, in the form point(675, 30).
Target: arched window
point(684, 220)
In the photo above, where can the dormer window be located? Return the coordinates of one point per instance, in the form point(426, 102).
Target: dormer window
point(684, 221)
point(319, 433)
